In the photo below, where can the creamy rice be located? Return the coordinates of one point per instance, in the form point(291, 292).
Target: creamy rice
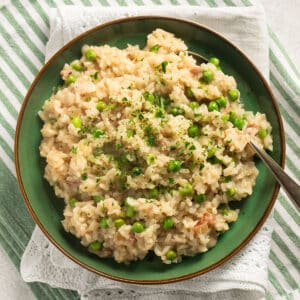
point(148, 149)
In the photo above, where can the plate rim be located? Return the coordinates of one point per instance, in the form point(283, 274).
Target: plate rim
point(49, 236)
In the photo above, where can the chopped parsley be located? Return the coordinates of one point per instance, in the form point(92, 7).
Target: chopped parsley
point(189, 93)
point(159, 113)
point(131, 132)
point(148, 129)
point(154, 48)
point(149, 97)
point(171, 180)
point(84, 176)
point(152, 140)
point(95, 75)
point(118, 146)
point(224, 209)
point(98, 132)
point(97, 151)
point(124, 186)
point(74, 150)
point(163, 66)
point(98, 198)
point(72, 202)
point(227, 178)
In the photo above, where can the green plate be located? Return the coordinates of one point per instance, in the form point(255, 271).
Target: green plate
point(47, 210)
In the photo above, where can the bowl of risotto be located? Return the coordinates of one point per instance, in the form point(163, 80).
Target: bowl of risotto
point(133, 158)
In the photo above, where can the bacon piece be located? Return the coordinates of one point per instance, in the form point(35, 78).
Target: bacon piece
point(207, 218)
point(195, 70)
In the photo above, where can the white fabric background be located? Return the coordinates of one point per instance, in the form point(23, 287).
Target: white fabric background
point(11, 285)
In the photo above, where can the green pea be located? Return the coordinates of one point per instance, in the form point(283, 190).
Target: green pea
point(90, 54)
point(262, 133)
point(168, 223)
point(136, 171)
point(130, 211)
point(211, 152)
point(215, 61)
point(72, 202)
point(194, 105)
point(231, 192)
point(239, 123)
point(213, 105)
point(189, 93)
point(76, 66)
point(77, 122)
point(71, 79)
point(193, 131)
point(186, 189)
point(207, 76)
point(111, 106)
point(175, 111)
point(138, 227)
point(225, 118)
point(153, 193)
point(95, 246)
point(119, 222)
point(97, 198)
point(171, 255)
point(151, 159)
point(233, 94)
point(222, 101)
point(232, 117)
point(199, 198)
point(103, 223)
point(101, 105)
point(174, 165)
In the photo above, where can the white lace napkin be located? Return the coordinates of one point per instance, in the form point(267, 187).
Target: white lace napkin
point(244, 276)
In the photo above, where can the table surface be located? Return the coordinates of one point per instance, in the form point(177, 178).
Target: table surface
point(11, 285)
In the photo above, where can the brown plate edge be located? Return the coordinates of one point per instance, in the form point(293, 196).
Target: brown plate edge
point(147, 282)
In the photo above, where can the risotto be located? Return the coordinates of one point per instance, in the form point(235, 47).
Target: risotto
point(149, 149)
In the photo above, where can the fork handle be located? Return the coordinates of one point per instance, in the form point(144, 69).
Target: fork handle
point(291, 188)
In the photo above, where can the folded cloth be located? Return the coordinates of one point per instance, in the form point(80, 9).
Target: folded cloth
point(244, 276)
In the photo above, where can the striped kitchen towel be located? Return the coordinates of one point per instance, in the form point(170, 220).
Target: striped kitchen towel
point(24, 31)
